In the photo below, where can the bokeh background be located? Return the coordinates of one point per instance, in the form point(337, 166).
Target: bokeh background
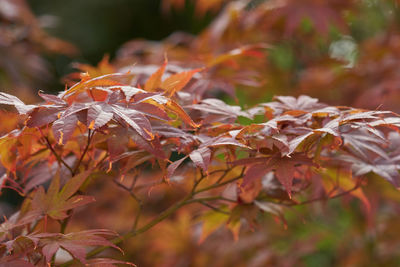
point(99, 27)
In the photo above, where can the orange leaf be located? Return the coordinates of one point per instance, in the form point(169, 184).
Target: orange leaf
point(176, 82)
point(97, 95)
point(80, 87)
point(154, 81)
point(181, 113)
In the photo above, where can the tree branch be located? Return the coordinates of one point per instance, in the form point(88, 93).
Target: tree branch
point(189, 199)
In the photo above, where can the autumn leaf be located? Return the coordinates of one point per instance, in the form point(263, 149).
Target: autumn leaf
point(154, 81)
point(249, 192)
point(99, 115)
point(342, 178)
point(212, 220)
point(55, 202)
point(7, 99)
point(173, 166)
point(201, 158)
point(284, 167)
point(176, 82)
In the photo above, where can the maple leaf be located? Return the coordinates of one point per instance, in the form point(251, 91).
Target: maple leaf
point(52, 99)
point(99, 115)
point(75, 243)
point(134, 119)
point(362, 143)
point(223, 140)
point(151, 110)
point(241, 51)
point(306, 141)
point(154, 81)
point(64, 127)
point(267, 129)
point(212, 220)
point(86, 84)
point(43, 115)
point(171, 84)
point(289, 103)
point(185, 139)
point(10, 224)
point(14, 252)
point(7, 152)
point(7, 99)
point(176, 82)
point(201, 157)
point(173, 166)
point(174, 107)
point(249, 192)
point(387, 169)
point(342, 177)
point(103, 67)
point(216, 110)
point(285, 168)
point(154, 146)
point(55, 203)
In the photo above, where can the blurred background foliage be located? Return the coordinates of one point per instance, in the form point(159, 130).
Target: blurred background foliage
point(98, 27)
point(344, 52)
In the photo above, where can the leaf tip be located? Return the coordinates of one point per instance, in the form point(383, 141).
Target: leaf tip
point(60, 140)
point(91, 125)
point(109, 167)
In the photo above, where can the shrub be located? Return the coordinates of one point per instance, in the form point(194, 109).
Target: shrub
point(126, 147)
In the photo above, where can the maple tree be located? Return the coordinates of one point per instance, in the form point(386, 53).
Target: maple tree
point(158, 135)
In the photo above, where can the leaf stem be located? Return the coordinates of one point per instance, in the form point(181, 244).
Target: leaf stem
point(90, 135)
point(213, 208)
point(59, 159)
point(323, 198)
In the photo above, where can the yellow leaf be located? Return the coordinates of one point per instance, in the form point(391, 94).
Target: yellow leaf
point(212, 220)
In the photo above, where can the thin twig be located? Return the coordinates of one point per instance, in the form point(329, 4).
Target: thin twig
point(222, 183)
point(323, 198)
point(64, 224)
point(127, 189)
point(136, 222)
point(213, 208)
point(136, 198)
point(84, 151)
point(197, 200)
point(59, 159)
point(197, 182)
point(223, 176)
point(135, 178)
